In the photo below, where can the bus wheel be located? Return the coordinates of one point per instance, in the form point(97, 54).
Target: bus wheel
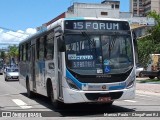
point(30, 94)
point(158, 76)
point(151, 77)
point(56, 104)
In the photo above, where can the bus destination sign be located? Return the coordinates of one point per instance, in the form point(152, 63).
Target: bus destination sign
point(96, 25)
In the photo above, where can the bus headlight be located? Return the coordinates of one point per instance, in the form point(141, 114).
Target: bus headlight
point(72, 84)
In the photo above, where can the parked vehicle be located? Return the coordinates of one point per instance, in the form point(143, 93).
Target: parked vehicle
point(139, 70)
point(153, 67)
point(11, 74)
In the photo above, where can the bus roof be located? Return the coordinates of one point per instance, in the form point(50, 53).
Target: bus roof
point(94, 18)
point(58, 22)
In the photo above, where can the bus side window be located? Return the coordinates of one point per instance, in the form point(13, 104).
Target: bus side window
point(45, 46)
point(49, 46)
point(37, 47)
point(29, 51)
point(24, 53)
point(20, 52)
point(41, 48)
point(27, 47)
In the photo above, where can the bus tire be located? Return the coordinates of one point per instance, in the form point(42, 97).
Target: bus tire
point(56, 104)
point(158, 77)
point(30, 93)
point(151, 77)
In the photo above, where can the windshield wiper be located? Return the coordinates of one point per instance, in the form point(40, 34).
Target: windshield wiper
point(90, 42)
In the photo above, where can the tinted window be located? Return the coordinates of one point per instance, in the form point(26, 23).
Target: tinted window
point(49, 47)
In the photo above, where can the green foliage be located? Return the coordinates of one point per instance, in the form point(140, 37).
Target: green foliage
point(154, 15)
point(149, 80)
point(2, 55)
point(150, 44)
point(13, 51)
point(155, 31)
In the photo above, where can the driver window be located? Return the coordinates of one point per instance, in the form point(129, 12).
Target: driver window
point(126, 49)
point(105, 46)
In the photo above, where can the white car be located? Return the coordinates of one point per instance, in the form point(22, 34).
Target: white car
point(11, 74)
point(139, 70)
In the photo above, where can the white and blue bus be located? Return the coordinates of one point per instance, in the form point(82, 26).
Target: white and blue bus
point(77, 60)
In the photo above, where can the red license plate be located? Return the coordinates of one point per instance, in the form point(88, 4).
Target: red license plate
point(104, 99)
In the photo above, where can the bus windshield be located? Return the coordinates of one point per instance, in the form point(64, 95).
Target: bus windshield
point(91, 54)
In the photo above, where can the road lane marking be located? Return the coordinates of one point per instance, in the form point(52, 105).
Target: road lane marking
point(7, 95)
point(130, 101)
point(21, 104)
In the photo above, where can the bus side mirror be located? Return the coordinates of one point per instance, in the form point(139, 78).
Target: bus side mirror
point(61, 44)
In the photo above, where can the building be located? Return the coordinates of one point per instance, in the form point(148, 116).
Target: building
point(150, 5)
point(140, 8)
point(137, 8)
point(105, 9)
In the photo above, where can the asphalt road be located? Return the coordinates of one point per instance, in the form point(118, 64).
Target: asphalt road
point(13, 98)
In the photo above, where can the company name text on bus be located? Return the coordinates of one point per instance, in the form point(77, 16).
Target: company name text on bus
point(96, 25)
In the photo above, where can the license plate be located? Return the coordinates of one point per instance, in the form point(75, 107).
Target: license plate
point(14, 77)
point(104, 99)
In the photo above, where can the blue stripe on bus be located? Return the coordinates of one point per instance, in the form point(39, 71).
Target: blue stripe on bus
point(76, 18)
point(117, 87)
point(71, 77)
point(79, 84)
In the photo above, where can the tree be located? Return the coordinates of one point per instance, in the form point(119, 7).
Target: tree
point(155, 31)
point(2, 55)
point(151, 43)
point(13, 52)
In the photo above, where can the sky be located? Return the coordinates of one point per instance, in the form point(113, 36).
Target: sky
point(23, 16)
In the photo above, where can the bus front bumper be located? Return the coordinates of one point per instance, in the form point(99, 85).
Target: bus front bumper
point(75, 96)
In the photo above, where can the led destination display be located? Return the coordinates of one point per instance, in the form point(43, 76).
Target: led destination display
point(96, 25)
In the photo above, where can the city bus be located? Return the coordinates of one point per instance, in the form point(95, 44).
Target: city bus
point(80, 60)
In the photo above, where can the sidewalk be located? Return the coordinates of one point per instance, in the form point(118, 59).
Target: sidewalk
point(147, 87)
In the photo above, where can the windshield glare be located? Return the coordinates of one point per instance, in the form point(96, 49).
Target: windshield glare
point(98, 54)
point(12, 70)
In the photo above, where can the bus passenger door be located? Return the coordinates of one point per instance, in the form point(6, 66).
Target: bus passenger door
point(60, 73)
point(33, 67)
